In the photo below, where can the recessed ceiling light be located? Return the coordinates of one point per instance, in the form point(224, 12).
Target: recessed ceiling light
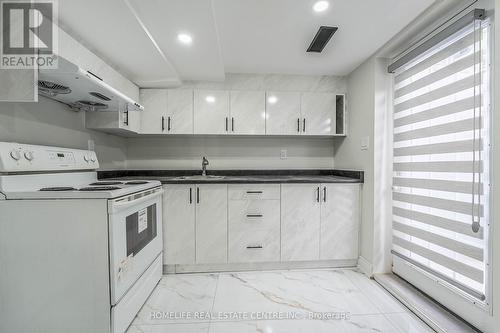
point(185, 38)
point(272, 99)
point(210, 99)
point(321, 6)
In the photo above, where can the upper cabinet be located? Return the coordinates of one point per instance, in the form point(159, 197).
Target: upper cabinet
point(211, 112)
point(248, 112)
point(167, 111)
point(221, 112)
point(155, 109)
point(179, 111)
point(318, 112)
point(283, 113)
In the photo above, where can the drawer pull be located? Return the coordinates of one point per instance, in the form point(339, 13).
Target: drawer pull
point(254, 192)
point(254, 215)
point(252, 247)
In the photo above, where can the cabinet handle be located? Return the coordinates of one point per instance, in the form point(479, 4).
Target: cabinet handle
point(255, 215)
point(304, 125)
point(324, 194)
point(197, 195)
point(232, 124)
point(168, 127)
point(125, 118)
point(317, 194)
point(298, 125)
point(190, 195)
point(254, 192)
point(226, 124)
point(162, 123)
point(254, 247)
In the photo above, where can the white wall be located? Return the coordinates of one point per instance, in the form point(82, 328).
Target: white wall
point(185, 152)
point(51, 123)
point(348, 153)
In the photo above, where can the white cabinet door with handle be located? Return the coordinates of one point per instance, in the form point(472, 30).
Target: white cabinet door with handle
point(283, 113)
point(211, 112)
point(155, 108)
point(318, 113)
point(211, 223)
point(179, 117)
point(179, 224)
point(339, 221)
point(248, 112)
point(300, 222)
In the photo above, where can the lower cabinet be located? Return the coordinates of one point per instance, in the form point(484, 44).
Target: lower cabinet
point(250, 223)
point(300, 222)
point(195, 224)
point(179, 224)
point(254, 223)
point(211, 223)
point(319, 221)
point(339, 221)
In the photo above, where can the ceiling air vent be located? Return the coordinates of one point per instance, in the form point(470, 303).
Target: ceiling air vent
point(100, 96)
point(52, 89)
point(321, 39)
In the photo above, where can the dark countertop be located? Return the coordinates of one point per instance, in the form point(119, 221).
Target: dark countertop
point(238, 176)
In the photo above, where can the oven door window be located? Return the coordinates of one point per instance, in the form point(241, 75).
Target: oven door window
point(141, 229)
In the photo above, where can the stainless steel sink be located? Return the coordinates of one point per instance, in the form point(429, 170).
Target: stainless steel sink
point(208, 177)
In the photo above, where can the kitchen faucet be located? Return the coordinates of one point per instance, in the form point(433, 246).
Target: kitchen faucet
point(204, 164)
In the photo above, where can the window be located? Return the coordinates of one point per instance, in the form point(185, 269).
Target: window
point(441, 160)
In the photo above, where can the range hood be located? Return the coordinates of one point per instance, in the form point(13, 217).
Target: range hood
point(82, 90)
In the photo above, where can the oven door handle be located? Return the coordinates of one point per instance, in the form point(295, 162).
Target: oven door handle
point(123, 203)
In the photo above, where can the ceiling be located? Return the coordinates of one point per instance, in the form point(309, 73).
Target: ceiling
point(139, 37)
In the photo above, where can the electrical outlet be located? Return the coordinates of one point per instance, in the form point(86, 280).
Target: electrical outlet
point(283, 154)
point(90, 144)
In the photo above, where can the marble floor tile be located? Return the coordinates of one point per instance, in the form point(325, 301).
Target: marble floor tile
point(170, 328)
point(284, 291)
point(356, 324)
point(363, 306)
point(408, 323)
point(380, 297)
point(178, 294)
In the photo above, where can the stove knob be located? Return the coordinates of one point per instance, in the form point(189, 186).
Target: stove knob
point(92, 158)
point(29, 155)
point(86, 158)
point(15, 154)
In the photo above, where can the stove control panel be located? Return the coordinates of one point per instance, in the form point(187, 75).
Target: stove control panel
point(16, 157)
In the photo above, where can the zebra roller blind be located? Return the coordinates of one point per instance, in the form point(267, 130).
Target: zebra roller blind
point(441, 159)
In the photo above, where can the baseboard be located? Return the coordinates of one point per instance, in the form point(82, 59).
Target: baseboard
point(267, 266)
point(365, 266)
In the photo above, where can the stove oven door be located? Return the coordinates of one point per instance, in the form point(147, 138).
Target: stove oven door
point(135, 231)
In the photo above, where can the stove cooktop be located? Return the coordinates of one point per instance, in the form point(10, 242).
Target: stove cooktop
point(100, 188)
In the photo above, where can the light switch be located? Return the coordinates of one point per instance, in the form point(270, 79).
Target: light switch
point(283, 154)
point(365, 143)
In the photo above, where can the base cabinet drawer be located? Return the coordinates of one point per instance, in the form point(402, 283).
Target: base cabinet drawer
point(262, 245)
point(254, 192)
point(249, 215)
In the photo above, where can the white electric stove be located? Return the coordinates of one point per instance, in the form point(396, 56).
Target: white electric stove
point(77, 254)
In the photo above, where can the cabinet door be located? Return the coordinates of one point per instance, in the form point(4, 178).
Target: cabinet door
point(300, 221)
point(211, 224)
point(339, 221)
point(155, 107)
point(248, 112)
point(318, 113)
point(211, 112)
point(179, 111)
point(283, 113)
point(179, 224)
